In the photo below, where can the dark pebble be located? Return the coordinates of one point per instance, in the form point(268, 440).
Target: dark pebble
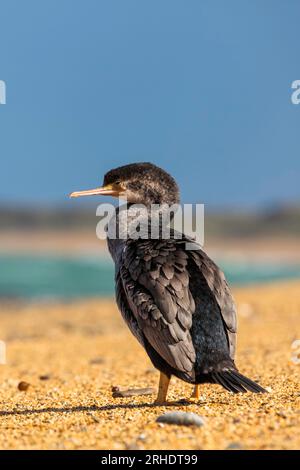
point(97, 360)
point(23, 386)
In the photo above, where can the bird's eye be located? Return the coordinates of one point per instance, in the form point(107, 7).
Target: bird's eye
point(117, 182)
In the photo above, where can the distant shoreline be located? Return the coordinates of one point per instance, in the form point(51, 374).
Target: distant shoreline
point(77, 241)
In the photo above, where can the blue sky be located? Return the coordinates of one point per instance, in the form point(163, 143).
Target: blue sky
point(202, 88)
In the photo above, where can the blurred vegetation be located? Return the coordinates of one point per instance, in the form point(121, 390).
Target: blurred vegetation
point(274, 221)
point(46, 218)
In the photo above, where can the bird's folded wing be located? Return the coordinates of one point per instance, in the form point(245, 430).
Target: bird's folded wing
point(156, 284)
point(126, 312)
point(218, 285)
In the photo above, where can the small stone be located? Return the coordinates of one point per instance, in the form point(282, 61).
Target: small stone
point(96, 360)
point(131, 392)
point(282, 414)
point(234, 446)
point(181, 418)
point(44, 377)
point(236, 420)
point(23, 386)
point(132, 446)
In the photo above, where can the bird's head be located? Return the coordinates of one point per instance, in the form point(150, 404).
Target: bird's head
point(139, 183)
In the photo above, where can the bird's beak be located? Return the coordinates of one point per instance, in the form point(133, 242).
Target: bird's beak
point(108, 190)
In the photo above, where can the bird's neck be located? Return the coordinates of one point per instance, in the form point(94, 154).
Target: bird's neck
point(134, 221)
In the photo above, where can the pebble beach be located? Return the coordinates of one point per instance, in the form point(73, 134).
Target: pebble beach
point(63, 360)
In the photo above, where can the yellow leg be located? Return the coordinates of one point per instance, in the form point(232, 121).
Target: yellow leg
point(164, 381)
point(196, 394)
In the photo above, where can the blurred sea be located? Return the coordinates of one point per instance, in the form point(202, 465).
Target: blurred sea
point(53, 277)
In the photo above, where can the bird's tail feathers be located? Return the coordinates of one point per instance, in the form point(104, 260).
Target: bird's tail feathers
point(235, 382)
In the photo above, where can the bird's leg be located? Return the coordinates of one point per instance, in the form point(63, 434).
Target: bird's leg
point(164, 381)
point(196, 394)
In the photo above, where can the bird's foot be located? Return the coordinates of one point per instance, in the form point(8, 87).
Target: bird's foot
point(160, 403)
point(194, 398)
point(191, 401)
point(165, 403)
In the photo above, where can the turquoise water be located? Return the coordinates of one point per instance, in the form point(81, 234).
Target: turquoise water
point(53, 277)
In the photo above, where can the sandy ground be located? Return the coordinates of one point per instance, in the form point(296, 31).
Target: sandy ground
point(83, 349)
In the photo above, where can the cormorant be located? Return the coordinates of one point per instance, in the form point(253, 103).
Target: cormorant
point(176, 301)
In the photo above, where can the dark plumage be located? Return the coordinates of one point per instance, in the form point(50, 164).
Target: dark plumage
point(144, 183)
point(175, 301)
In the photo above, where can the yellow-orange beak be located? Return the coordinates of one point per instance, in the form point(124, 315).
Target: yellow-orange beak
point(109, 190)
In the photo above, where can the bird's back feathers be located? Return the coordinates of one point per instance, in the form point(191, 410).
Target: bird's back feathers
point(178, 305)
